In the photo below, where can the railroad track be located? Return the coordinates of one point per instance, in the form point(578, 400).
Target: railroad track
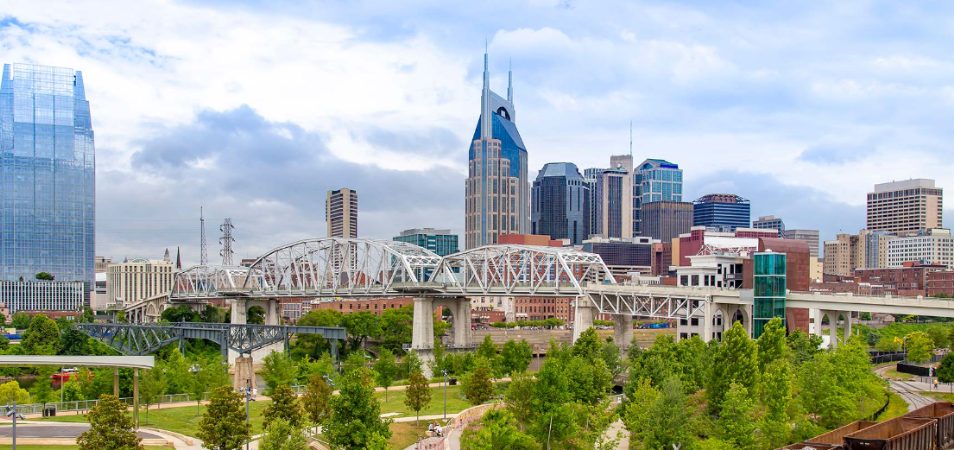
point(910, 393)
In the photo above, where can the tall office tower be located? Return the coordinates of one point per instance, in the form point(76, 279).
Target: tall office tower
point(655, 180)
point(905, 206)
point(724, 212)
point(876, 248)
point(593, 177)
point(770, 223)
point(809, 236)
point(47, 175)
point(844, 254)
point(441, 242)
point(341, 213)
point(560, 204)
point(614, 192)
point(497, 188)
point(665, 220)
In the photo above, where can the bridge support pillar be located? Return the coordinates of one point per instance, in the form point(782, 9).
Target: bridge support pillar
point(244, 373)
point(832, 327)
point(815, 322)
point(462, 319)
point(422, 332)
point(582, 317)
point(623, 331)
point(847, 326)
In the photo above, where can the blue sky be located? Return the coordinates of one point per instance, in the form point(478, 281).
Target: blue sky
point(255, 109)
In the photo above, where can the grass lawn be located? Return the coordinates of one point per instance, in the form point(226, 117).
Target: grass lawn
point(896, 407)
point(406, 433)
point(455, 401)
point(182, 420)
point(66, 447)
point(943, 396)
point(895, 375)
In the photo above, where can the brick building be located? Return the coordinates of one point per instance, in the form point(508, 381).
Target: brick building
point(940, 283)
point(540, 308)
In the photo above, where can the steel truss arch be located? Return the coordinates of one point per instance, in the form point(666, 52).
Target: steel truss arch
point(339, 267)
point(520, 270)
point(207, 281)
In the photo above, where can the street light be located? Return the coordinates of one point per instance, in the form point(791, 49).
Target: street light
point(12, 413)
point(248, 397)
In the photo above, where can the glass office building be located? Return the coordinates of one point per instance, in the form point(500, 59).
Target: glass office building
point(769, 290)
point(655, 180)
point(47, 173)
point(438, 241)
point(560, 203)
point(722, 212)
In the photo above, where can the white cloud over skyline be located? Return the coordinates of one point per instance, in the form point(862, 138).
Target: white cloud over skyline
point(255, 110)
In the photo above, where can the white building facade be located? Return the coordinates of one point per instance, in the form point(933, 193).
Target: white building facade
point(931, 246)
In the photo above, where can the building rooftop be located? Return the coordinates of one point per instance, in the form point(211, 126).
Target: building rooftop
point(721, 198)
point(559, 169)
point(413, 231)
point(913, 183)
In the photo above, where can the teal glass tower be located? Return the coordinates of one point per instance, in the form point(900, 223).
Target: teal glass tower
point(655, 180)
point(47, 175)
point(769, 289)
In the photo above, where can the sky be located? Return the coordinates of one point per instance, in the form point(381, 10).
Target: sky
point(253, 110)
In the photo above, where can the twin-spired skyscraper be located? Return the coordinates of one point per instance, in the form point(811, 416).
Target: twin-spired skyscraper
point(497, 198)
point(47, 174)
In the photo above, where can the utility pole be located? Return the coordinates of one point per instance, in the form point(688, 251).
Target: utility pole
point(226, 241)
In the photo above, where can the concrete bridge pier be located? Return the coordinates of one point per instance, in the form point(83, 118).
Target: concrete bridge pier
point(239, 315)
point(463, 335)
point(583, 316)
point(623, 331)
point(422, 333)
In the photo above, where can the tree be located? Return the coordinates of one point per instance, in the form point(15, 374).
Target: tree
point(282, 435)
point(772, 344)
point(88, 315)
point(804, 346)
point(223, 425)
point(487, 350)
point(255, 315)
point(777, 391)
point(520, 397)
point(12, 392)
point(210, 374)
point(945, 372)
point(42, 391)
point(181, 313)
point(736, 422)
point(44, 276)
point(152, 386)
point(21, 320)
point(515, 356)
point(3, 319)
point(477, 387)
point(176, 371)
point(284, 406)
point(109, 427)
point(920, 347)
point(360, 326)
point(355, 419)
point(42, 337)
point(396, 327)
point(418, 393)
point(385, 369)
point(669, 425)
point(498, 430)
point(278, 369)
point(315, 399)
point(738, 363)
point(588, 346)
point(212, 314)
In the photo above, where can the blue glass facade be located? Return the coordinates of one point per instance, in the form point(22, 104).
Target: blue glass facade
point(560, 203)
point(655, 180)
point(441, 242)
point(724, 212)
point(47, 174)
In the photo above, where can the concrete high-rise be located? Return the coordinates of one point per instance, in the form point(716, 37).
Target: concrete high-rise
point(341, 213)
point(497, 188)
point(770, 223)
point(724, 212)
point(844, 254)
point(655, 180)
point(905, 206)
point(665, 220)
point(809, 236)
point(593, 177)
point(136, 280)
point(560, 203)
point(47, 175)
point(614, 192)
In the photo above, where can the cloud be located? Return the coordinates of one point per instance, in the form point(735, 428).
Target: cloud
point(269, 177)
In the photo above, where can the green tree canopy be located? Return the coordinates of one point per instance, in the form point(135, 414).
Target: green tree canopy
point(223, 425)
point(315, 399)
point(920, 346)
point(498, 429)
point(42, 337)
point(737, 420)
point(385, 369)
point(477, 386)
point(945, 372)
point(109, 427)
point(360, 326)
point(277, 369)
point(255, 315)
point(738, 363)
point(417, 394)
point(21, 320)
point(515, 356)
point(355, 414)
point(181, 313)
point(152, 386)
point(772, 343)
point(282, 435)
point(44, 276)
point(284, 406)
point(12, 392)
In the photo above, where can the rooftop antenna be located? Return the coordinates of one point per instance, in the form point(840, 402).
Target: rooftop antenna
point(630, 138)
point(203, 250)
point(510, 81)
point(226, 240)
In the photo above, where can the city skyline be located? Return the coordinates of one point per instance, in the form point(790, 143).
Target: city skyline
point(167, 116)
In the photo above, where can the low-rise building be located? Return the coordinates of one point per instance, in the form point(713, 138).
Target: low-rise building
point(132, 281)
point(935, 246)
point(623, 256)
point(940, 283)
point(50, 297)
point(542, 308)
point(718, 271)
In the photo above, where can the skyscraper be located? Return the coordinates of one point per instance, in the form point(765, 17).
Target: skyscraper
point(655, 180)
point(441, 242)
point(724, 212)
point(614, 192)
point(665, 220)
point(769, 223)
point(593, 177)
point(47, 175)
point(496, 190)
point(905, 206)
point(341, 213)
point(560, 203)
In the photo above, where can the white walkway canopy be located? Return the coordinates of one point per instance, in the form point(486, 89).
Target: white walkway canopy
point(133, 362)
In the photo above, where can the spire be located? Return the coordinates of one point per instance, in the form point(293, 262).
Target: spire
point(165, 256)
point(178, 258)
point(485, 114)
point(510, 81)
point(630, 139)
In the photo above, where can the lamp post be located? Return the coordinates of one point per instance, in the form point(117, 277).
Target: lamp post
point(12, 413)
point(248, 397)
point(445, 394)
